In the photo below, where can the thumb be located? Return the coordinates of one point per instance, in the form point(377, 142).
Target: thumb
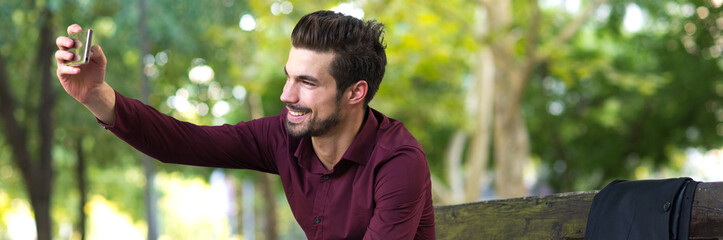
point(97, 56)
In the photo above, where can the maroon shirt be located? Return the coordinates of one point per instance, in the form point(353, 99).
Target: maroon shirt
point(380, 189)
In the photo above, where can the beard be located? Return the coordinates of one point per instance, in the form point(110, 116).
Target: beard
point(313, 127)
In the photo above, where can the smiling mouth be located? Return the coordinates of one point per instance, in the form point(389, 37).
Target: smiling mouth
point(297, 113)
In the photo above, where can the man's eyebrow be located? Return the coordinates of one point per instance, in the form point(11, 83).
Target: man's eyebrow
point(302, 77)
point(308, 78)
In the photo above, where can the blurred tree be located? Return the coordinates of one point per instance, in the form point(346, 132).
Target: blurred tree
point(517, 47)
point(624, 98)
point(429, 51)
point(605, 104)
point(82, 179)
point(513, 68)
point(508, 48)
point(151, 199)
point(31, 144)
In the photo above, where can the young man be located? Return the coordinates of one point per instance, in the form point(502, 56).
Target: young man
point(348, 171)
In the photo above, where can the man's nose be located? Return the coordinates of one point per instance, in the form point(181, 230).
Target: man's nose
point(290, 94)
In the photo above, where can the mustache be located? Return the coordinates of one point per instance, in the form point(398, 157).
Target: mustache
point(297, 108)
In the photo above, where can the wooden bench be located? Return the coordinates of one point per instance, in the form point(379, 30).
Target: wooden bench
point(558, 216)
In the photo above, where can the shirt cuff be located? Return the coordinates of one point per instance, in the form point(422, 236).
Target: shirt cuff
point(118, 98)
point(104, 125)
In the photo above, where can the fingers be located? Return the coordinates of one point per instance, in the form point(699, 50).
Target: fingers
point(64, 56)
point(64, 43)
point(97, 56)
point(74, 28)
point(67, 70)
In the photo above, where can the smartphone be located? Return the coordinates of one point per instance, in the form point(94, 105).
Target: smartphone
point(81, 47)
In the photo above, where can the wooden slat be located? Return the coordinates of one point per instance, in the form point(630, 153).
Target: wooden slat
point(558, 216)
point(706, 220)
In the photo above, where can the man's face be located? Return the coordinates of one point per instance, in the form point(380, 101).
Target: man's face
point(310, 94)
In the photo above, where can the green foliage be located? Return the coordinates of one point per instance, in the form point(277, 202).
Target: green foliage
point(602, 105)
point(610, 102)
point(430, 51)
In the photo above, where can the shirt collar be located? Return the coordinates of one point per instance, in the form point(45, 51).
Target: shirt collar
point(359, 150)
point(364, 142)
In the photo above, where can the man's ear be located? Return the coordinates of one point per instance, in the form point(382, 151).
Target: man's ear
point(358, 92)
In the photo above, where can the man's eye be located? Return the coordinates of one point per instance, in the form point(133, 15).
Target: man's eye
point(309, 83)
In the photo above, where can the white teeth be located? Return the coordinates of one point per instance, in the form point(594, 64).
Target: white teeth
point(296, 113)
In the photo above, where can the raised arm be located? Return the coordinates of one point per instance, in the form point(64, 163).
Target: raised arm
point(86, 83)
point(245, 145)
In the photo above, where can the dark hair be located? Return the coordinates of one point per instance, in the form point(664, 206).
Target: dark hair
point(357, 46)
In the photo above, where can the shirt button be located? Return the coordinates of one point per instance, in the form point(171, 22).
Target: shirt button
point(325, 177)
point(317, 220)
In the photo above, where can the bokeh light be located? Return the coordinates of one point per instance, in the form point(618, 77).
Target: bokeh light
point(351, 9)
point(201, 74)
point(239, 92)
point(20, 222)
point(247, 22)
point(220, 108)
point(634, 19)
point(281, 7)
point(161, 58)
point(717, 3)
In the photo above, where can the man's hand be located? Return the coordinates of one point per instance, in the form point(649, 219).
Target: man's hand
point(86, 83)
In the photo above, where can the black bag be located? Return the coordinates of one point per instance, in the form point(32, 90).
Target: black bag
point(647, 209)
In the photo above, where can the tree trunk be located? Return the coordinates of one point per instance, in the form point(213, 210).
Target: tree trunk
point(501, 77)
point(511, 142)
point(466, 179)
point(265, 180)
point(41, 207)
point(82, 188)
point(454, 168)
point(38, 174)
point(267, 187)
point(43, 188)
point(239, 206)
point(482, 110)
point(248, 231)
point(150, 193)
point(511, 149)
point(44, 171)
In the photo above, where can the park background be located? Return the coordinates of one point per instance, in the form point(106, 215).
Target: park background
point(509, 98)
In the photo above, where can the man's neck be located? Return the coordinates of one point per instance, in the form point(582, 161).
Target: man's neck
point(332, 146)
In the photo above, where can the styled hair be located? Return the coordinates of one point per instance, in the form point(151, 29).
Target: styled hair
point(358, 47)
